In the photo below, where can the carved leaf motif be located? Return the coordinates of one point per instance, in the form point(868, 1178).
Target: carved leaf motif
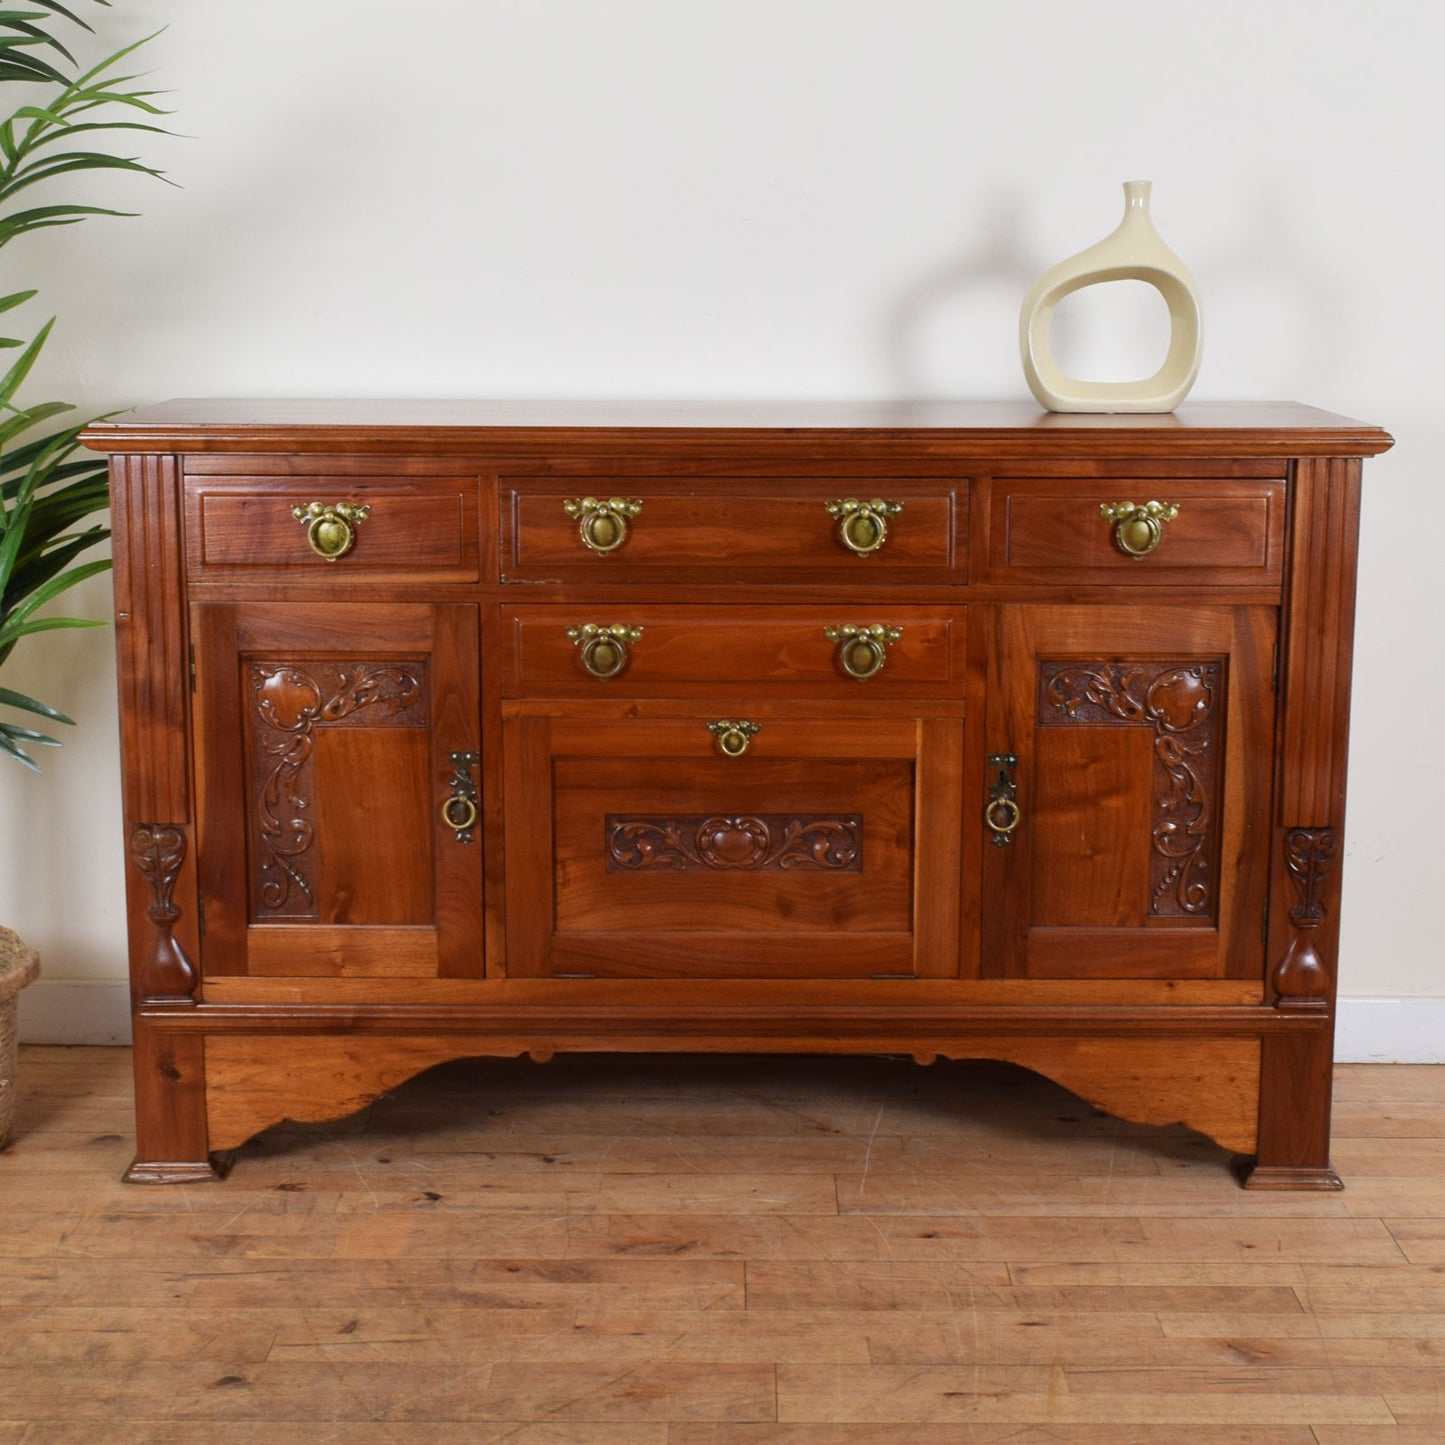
point(1110, 689)
point(159, 849)
point(290, 703)
point(820, 845)
point(286, 699)
point(1178, 702)
point(1310, 854)
point(748, 842)
point(389, 689)
point(1181, 698)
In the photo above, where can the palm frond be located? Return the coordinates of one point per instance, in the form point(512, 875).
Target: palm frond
point(10, 698)
point(49, 489)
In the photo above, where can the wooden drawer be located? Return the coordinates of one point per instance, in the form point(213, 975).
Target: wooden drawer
point(425, 526)
point(756, 651)
point(1053, 531)
point(828, 848)
point(722, 530)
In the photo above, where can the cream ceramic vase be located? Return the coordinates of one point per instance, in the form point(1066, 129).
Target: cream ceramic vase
point(1133, 252)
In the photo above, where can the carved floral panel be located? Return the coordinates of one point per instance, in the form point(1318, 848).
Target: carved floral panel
point(289, 702)
point(1182, 704)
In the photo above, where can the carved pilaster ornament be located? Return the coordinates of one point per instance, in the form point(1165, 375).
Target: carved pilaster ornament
point(1301, 979)
point(158, 850)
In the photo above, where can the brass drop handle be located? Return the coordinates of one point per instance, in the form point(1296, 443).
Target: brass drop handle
point(459, 811)
point(863, 526)
point(1002, 813)
point(331, 528)
point(1138, 529)
point(862, 650)
point(605, 650)
point(733, 738)
point(602, 524)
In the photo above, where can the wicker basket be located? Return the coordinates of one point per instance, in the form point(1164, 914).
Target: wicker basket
point(18, 966)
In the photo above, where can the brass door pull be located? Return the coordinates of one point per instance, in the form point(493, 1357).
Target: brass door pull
point(733, 738)
point(1002, 813)
point(459, 811)
point(602, 524)
point(863, 526)
point(331, 529)
point(862, 650)
point(605, 650)
point(1138, 529)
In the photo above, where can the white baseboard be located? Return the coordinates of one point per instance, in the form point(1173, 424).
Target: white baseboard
point(1390, 1031)
point(91, 1011)
point(1369, 1030)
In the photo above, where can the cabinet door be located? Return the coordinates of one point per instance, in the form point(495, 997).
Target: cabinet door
point(1142, 739)
point(325, 736)
point(825, 849)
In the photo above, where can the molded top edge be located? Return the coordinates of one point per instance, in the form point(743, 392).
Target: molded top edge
point(283, 424)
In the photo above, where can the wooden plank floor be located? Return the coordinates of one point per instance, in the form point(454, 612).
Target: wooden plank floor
point(720, 1251)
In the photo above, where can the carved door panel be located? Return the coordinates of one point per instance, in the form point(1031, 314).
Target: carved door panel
point(337, 756)
point(638, 847)
point(1125, 821)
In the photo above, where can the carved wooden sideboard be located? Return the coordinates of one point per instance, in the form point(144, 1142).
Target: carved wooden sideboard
point(945, 730)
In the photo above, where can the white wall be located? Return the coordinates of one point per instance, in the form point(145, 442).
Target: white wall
point(771, 198)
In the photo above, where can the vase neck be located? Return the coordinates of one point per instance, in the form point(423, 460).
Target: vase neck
point(1136, 197)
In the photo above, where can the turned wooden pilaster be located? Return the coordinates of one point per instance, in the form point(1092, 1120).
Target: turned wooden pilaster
point(154, 668)
point(1317, 649)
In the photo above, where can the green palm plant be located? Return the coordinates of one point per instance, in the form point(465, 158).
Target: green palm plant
point(49, 486)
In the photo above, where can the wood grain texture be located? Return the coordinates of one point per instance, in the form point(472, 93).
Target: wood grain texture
point(717, 1252)
point(1318, 644)
point(172, 1143)
point(1211, 1086)
point(151, 637)
point(251, 1082)
point(1294, 1114)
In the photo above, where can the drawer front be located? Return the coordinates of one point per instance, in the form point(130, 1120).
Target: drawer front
point(722, 530)
point(393, 527)
point(870, 651)
point(820, 848)
point(1221, 533)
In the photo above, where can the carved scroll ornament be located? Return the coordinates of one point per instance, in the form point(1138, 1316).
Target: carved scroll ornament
point(746, 843)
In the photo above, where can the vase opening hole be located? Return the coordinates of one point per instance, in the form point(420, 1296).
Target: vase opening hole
point(1111, 331)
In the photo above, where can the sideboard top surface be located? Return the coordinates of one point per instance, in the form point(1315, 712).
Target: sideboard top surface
point(982, 430)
